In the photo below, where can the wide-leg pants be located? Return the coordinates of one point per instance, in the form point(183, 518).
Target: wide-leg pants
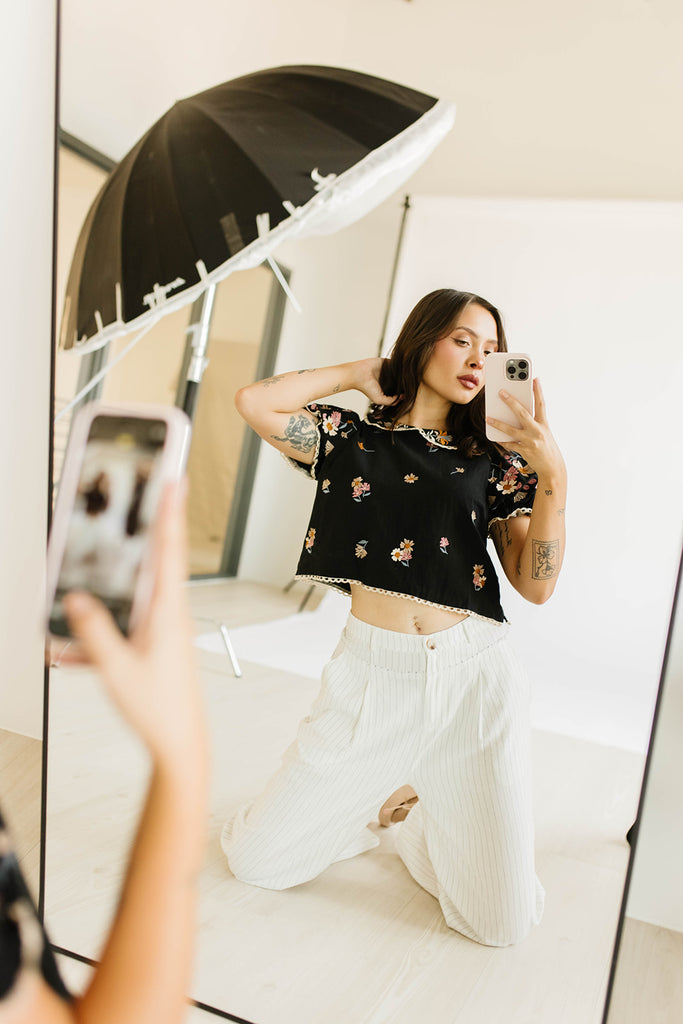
point(446, 713)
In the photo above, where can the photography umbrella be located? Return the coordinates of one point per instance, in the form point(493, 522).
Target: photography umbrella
point(226, 175)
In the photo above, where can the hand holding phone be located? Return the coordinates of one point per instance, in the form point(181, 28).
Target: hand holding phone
point(117, 462)
point(512, 372)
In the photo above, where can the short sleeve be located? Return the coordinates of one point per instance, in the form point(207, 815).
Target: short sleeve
point(511, 487)
point(23, 942)
point(334, 426)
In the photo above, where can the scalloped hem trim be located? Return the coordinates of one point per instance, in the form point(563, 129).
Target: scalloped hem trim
point(513, 515)
point(334, 581)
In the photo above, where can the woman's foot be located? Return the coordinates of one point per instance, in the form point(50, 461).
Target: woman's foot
point(398, 805)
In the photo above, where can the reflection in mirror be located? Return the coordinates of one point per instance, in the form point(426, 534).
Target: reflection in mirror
point(588, 738)
point(592, 651)
point(647, 973)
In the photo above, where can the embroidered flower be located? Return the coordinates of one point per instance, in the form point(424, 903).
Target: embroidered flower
point(370, 451)
point(329, 447)
point(443, 544)
point(326, 486)
point(360, 549)
point(403, 553)
point(459, 469)
point(474, 516)
point(510, 482)
point(331, 421)
point(443, 438)
point(310, 540)
point(410, 478)
point(359, 488)
point(478, 579)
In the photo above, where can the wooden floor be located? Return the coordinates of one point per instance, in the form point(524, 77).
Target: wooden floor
point(362, 944)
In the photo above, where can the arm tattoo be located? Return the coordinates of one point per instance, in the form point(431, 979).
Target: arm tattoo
point(545, 558)
point(548, 492)
point(272, 380)
point(560, 511)
point(336, 389)
point(304, 371)
point(501, 537)
point(300, 433)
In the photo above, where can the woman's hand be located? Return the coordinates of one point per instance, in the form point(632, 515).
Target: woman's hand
point(533, 439)
point(367, 372)
point(152, 677)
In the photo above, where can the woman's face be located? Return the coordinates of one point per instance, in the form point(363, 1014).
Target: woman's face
point(455, 371)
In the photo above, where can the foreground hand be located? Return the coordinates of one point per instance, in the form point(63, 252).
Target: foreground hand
point(533, 439)
point(152, 677)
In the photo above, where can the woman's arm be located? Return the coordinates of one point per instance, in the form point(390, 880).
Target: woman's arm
point(274, 408)
point(531, 548)
point(145, 968)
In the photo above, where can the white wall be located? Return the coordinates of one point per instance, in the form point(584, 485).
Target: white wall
point(27, 76)
point(655, 893)
point(592, 291)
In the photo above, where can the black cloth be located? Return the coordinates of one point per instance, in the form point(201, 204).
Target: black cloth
point(404, 512)
point(13, 956)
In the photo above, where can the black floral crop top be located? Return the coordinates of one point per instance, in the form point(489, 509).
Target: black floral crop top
point(403, 512)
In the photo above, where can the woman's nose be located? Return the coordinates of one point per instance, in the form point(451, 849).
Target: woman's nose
point(477, 360)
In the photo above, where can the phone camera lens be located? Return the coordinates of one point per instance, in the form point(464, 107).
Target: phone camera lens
point(522, 375)
point(522, 364)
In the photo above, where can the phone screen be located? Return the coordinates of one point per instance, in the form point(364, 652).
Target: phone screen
point(118, 492)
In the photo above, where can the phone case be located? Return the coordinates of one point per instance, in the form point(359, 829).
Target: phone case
point(497, 378)
point(171, 466)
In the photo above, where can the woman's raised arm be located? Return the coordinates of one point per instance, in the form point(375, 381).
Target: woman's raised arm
point(275, 407)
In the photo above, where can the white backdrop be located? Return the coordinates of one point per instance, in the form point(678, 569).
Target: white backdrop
point(592, 291)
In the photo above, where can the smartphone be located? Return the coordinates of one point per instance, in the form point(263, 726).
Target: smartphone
point(511, 371)
point(118, 460)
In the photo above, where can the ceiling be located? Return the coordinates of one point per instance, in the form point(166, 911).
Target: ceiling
point(578, 100)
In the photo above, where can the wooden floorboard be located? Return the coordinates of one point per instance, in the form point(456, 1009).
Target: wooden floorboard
point(361, 944)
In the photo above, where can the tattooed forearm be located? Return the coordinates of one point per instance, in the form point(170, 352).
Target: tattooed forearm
point(548, 492)
point(304, 371)
point(300, 433)
point(272, 380)
point(336, 389)
point(545, 557)
point(560, 511)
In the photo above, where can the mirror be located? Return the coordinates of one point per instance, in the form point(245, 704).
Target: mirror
point(648, 964)
point(267, 956)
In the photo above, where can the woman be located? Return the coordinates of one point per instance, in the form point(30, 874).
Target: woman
point(423, 691)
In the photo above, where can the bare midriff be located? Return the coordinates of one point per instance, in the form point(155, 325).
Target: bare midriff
point(400, 614)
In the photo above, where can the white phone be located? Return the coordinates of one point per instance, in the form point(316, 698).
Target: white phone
point(511, 371)
point(117, 462)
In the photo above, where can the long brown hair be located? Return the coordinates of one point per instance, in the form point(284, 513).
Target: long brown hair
point(433, 318)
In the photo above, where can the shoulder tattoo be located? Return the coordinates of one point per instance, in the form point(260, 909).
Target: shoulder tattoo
point(300, 433)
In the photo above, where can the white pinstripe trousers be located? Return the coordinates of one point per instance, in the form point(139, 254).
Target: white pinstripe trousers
point(446, 713)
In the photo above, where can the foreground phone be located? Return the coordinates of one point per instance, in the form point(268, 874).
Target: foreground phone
point(511, 371)
point(118, 460)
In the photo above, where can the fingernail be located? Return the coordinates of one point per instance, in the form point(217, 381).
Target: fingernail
point(503, 393)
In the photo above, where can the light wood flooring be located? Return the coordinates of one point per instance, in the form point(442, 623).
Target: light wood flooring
point(361, 944)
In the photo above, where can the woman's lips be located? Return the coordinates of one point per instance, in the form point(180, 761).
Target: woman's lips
point(469, 382)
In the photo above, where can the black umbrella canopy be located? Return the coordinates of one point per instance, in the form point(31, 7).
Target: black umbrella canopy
point(225, 175)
